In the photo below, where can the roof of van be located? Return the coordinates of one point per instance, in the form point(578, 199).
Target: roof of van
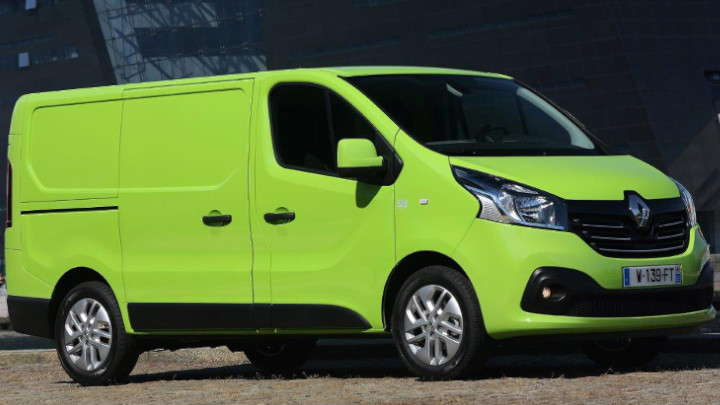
point(350, 71)
point(342, 71)
point(92, 94)
point(105, 92)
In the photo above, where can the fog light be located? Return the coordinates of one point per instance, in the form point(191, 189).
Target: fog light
point(546, 292)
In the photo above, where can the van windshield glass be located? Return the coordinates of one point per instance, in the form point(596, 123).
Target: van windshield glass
point(473, 116)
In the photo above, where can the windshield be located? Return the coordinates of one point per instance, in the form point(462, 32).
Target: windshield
point(472, 116)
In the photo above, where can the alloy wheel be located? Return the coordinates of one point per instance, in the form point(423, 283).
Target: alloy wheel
point(433, 325)
point(87, 336)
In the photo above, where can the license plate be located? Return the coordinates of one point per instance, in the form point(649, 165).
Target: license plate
point(652, 275)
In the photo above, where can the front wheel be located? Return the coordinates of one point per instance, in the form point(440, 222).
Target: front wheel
point(91, 341)
point(437, 324)
point(281, 356)
point(624, 353)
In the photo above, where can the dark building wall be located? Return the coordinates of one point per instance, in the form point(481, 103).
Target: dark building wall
point(637, 73)
point(674, 50)
point(51, 32)
point(570, 50)
point(148, 40)
point(60, 50)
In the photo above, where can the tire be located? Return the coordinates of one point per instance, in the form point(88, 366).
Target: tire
point(109, 363)
point(459, 353)
point(624, 353)
point(280, 356)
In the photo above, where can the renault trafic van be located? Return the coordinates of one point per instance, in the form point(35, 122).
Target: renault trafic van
point(451, 209)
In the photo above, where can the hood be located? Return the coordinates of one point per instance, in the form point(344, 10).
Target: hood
point(578, 177)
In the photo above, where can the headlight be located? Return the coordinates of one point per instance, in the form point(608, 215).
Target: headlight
point(504, 201)
point(689, 203)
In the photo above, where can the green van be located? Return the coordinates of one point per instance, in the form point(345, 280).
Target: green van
point(452, 209)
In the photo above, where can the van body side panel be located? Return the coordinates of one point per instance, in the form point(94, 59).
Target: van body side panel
point(339, 251)
point(84, 138)
point(21, 282)
point(55, 241)
point(184, 156)
point(440, 224)
point(64, 209)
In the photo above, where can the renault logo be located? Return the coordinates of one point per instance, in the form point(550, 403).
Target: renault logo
point(639, 210)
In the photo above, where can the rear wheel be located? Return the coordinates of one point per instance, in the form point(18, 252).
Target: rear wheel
point(281, 356)
point(624, 353)
point(90, 337)
point(437, 324)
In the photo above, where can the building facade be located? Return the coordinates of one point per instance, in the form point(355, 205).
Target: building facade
point(643, 75)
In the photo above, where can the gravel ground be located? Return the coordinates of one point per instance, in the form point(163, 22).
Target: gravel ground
point(370, 372)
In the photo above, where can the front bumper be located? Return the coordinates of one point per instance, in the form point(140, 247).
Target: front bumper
point(574, 293)
point(500, 260)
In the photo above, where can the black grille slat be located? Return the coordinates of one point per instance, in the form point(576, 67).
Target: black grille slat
point(639, 304)
point(674, 223)
point(608, 227)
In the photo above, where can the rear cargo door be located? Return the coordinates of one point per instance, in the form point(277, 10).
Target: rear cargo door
point(184, 227)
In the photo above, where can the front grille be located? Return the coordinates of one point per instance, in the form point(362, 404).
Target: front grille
point(609, 228)
point(599, 305)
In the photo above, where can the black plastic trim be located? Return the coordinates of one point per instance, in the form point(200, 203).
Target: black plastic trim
point(311, 316)
point(30, 315)
point(262, 316)
point(190, 316)
point(59, 210)
point(570, 284)
point(162, 316)
point(593, 336)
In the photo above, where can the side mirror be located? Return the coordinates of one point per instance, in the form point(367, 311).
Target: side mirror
point(357, 158)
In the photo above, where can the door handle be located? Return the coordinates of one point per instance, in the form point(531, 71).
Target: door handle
point(279, 217)
point(217, 220)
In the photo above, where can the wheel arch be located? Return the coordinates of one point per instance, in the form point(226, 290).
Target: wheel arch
point(404, 269)
point(70, 279)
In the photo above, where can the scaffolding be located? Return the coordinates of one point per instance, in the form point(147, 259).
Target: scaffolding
point(165, 39)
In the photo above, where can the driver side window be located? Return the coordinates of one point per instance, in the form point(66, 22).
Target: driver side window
point(307, 123)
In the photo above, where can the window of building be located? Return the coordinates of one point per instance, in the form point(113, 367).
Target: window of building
point(53, 55)
point(11, 6)
point(307, 123)
point(26, 59)
point(23, 60)
point(26, 42)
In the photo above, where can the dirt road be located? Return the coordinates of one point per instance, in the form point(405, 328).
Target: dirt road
point(370, 372)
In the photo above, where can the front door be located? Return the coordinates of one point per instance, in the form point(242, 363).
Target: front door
point(329, 240)
point(184, 211)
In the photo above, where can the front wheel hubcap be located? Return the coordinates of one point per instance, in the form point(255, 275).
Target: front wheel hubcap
point(87, 336)
point(433, 325)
